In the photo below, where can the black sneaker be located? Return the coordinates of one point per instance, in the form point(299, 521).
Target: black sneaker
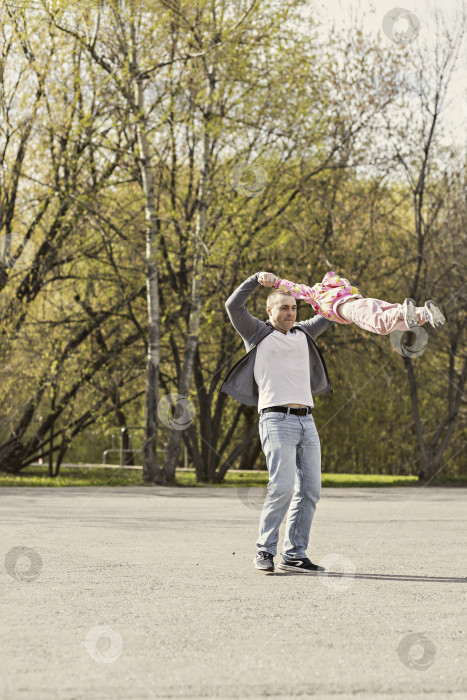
point(303, 566)
point(264, 561)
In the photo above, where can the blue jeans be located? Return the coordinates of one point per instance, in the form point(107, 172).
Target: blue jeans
point(293, 457)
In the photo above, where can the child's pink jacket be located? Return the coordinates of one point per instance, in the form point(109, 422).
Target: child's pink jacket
point(324, 297)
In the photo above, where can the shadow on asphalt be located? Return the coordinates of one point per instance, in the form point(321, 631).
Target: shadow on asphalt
point(377, 577)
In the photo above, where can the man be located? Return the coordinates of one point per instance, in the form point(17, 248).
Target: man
point(281, 371)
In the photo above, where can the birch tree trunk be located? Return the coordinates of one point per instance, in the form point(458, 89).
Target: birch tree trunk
point(174, 443)
point(151, 472)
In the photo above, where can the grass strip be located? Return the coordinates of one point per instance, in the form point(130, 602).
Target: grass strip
point(98, 476)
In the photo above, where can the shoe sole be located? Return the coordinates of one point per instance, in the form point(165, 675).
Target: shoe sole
point(435, 317)
point(298, 569)
point(409, 313)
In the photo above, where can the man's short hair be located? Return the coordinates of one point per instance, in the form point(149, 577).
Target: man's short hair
point(272, 297)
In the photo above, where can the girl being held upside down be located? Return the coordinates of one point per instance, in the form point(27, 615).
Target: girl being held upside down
point(337, 300)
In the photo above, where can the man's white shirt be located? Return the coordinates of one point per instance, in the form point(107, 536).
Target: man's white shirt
point(282, 369)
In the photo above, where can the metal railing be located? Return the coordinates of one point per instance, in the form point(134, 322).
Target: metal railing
point(122, 450)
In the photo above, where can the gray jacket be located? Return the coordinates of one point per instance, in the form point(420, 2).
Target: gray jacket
point(240, 381)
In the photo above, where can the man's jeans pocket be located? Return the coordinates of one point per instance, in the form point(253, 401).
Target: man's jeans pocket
point(273, 415)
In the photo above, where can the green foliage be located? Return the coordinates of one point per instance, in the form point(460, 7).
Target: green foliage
point(319, 116)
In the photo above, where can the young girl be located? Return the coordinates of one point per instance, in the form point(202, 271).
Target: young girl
point(337, 300)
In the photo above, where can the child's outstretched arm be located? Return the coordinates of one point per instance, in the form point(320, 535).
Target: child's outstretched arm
point(298, 291)
point(324, 296)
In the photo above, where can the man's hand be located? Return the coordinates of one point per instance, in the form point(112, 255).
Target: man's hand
point(267, 279)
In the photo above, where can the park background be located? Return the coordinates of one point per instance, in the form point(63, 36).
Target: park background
point(155, 154)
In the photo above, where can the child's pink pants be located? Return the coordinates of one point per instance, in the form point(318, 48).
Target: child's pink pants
point(376, 315)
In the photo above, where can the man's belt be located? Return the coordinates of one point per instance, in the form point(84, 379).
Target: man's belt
point(287, 409)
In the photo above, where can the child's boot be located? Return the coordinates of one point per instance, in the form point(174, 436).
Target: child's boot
point(409, 313)
point(434, 315)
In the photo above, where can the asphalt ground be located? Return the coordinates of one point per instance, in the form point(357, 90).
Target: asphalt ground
point(135, 593)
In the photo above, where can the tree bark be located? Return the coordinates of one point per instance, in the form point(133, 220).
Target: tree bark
point(173, 447)
point(151, 472)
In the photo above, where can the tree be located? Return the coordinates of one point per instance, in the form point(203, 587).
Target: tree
point(285, 132)
point(48, 252)
point(435, 177)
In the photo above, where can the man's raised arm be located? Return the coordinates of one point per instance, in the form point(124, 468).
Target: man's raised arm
point(243, 322)
point(317, 324)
